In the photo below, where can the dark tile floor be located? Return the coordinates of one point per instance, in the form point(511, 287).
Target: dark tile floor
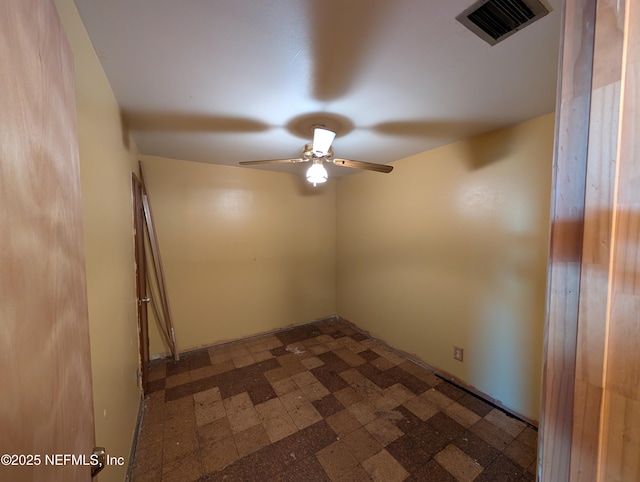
point(320, 402)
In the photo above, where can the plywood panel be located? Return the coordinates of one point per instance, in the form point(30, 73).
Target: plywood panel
point(620, 448)
point(586, 430)
point(568, 211)
point(597, 242)
point(44, 341)
point(596, 249)
point(606, 395)
point(607, 66)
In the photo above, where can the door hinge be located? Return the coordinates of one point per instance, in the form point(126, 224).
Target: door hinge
point(101, 454)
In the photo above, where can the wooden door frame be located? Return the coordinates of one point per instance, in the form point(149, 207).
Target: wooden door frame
point(590, 403)
point(141, 280)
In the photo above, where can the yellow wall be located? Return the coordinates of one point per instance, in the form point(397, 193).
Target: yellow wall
point(451, 249)
point(244, 250)
point(106, 160)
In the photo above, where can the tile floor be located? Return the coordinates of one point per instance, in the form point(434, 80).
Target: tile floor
point(321, 402)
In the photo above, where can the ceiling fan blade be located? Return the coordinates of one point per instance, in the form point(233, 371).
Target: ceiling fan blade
point(369, 166)
point(338, 58)
point(189, 122)
point(271, 161)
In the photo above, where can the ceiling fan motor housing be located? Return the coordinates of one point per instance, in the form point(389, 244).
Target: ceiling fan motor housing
point(308, 154)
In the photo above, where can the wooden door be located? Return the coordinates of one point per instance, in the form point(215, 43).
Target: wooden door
point(141, 279)
point(46, 404)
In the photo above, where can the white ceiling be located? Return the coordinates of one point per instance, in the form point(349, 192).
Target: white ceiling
point(223, 81)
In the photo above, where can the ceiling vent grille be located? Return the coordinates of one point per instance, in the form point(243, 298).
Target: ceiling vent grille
point(495, 20)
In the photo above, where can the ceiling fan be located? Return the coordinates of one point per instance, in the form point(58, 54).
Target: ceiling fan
point(320, 151)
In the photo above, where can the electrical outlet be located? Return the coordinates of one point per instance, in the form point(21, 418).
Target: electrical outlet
point(458, 353)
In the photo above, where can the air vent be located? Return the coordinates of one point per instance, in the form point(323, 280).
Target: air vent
point(495, 20)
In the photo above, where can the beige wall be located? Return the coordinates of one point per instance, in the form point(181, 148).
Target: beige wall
point(244, 250)
point(451, 249)
point(105, 163)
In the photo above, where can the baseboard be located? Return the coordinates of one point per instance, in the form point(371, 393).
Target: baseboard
point(163, 355)
point(134, 442)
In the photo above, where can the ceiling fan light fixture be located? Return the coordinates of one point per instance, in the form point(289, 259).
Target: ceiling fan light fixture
point(317, 174)
point(322, 139)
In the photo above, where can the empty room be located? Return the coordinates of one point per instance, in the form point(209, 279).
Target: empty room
point(326, 240)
